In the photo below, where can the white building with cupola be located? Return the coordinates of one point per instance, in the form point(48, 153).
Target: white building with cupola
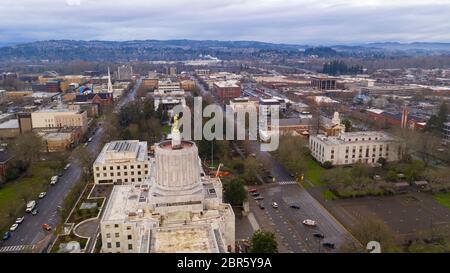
point(178, 209)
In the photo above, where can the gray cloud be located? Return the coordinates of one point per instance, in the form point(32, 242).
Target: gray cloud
point(289, 21)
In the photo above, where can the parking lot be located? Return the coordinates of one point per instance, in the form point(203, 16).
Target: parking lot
point(286, 222)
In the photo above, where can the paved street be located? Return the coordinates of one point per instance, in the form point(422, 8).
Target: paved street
point(30, 232)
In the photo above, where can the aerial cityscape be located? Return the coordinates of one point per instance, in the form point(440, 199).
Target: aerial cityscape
point(225, 127)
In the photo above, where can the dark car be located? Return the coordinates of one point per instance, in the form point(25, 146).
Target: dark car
point(295, 206)
point(258, 198)
point(34, 212)
point(261, 205)
point(254, 194)
point(319, 235)
point(328, 244)
point(6, 236)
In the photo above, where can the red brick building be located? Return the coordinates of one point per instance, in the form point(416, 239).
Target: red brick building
point(226, 90)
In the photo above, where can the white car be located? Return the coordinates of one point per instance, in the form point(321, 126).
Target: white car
point(42, 195)
point(13, 227)
point(20, 220)
point(274, 205)
point(67, 167)
point(54, 180)
point(309, 222)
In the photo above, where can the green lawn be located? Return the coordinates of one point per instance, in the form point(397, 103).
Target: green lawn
point(314, 171)
point(443, 198)
point(329, 195)
point(15, 194)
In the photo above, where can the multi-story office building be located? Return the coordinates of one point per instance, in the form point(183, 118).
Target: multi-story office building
point(227, 90)
point(354, 147)
point(122, 162)
point(59, 118)
point(446, 130)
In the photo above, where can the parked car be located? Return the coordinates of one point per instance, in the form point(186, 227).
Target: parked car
point(47, 227)
point(13, 227)
point(90, 139)
point(67, 166)
point(254, 194)
point(295, 206)
point(252, 190)
point(54, 180)
point(35, 211)
point(309, 222)
point(257, 198)
point(261, 205)
point(274, 205)
point(6, 236)
point(30, 206)
point(329, 245)
point(42, 195)
point(86, 144)
point(319, 235)
point(20, 220)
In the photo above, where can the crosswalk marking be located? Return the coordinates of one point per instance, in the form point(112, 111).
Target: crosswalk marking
point(289, 182)
point(16, 248)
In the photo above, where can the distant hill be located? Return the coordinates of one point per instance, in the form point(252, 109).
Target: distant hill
point(176, 50)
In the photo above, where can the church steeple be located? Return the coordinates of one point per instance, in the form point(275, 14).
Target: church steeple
point(110, 87)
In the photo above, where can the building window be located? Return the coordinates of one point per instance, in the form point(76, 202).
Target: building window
point(118, 174)
point(117, 244)
point(132, 173)
point(132, 166)
point(111, 168)
point(108, 235)
point(117, 235)
point(130, 247)
point(98, 175)
point(125, 173)
point(97, 168)
point(139, 172)
point(104, 174)
point(129, 237)
point(116, 225)
point(108, 245)
point(139, 166)
point(118, 167)
point(125, 167)
point(132, 179)
point(139, 179)
point(111, 174)
point(128, 228)
point(104, 168)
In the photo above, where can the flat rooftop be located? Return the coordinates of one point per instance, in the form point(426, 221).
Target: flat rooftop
point(356, 137)
point(191, 239)
point(123, 150)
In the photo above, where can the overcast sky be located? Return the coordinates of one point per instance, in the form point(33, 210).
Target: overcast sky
point(287, 21)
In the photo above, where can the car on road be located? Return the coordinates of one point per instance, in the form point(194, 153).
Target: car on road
point(253, 155)
point(257, 198)
point(13, 227)
point(20, 220)
point(90, 139)
point(295, 206)
point(274, 205)
point(86, 144)
point(6, 236)
point(54, 180)
point(35, 212)
point(47, 227)
point(291, 175)
point(261, 205)
point(254, 194)
point(30, 206)
point(319, 235)
point(67, 166)
point(60, 174)
point(329, 245)
point(42, 195)
point(252, 190)
point(309, 222)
